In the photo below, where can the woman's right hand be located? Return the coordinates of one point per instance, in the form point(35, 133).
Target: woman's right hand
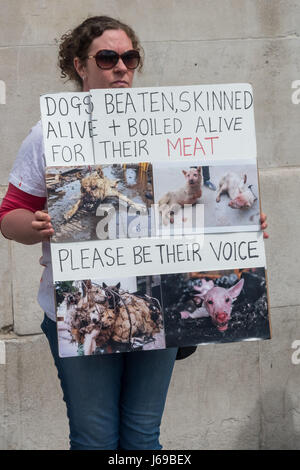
point(42, 224)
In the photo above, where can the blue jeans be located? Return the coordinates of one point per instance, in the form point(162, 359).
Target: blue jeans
point(114, 401)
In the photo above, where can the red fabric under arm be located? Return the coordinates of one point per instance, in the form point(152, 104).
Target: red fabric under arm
point(17, 199)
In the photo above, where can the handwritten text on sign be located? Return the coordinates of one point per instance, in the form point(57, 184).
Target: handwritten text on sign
point(132, 257)
point(149, 124)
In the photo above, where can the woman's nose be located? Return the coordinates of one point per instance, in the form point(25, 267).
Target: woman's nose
point(120, 66)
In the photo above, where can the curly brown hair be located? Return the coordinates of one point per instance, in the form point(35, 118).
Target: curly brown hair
point(76, 43)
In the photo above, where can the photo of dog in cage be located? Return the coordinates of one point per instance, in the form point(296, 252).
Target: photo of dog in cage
point(99, 202)
point(109, 316)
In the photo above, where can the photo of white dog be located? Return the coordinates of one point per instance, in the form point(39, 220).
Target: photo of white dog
point(178, 190)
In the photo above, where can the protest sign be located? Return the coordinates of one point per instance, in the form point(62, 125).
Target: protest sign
point(145, 255)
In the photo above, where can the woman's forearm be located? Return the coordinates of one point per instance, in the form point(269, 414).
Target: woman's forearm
point(17, 225)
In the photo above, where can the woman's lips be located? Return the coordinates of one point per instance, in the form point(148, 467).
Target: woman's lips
point(120, 83)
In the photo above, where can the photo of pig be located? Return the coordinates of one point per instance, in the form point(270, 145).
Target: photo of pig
point(217, 303)
point(95, 317)
point(215, 306)
point(99, 202)
point(186, 204)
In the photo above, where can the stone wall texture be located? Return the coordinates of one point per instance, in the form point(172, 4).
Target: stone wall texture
point(233, 396)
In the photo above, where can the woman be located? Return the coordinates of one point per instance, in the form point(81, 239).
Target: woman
point(113, 401)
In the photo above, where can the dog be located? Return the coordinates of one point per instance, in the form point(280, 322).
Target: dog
point(172, 201)
point(100, 330)
point(135, 318)
point(100, 314)
point(241, 196)
point(94, 189)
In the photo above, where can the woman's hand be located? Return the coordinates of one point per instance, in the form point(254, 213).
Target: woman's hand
point(264, 225)
point(27, 227)
point(42, 224)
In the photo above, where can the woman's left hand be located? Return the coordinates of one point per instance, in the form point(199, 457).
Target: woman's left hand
point(264, 225)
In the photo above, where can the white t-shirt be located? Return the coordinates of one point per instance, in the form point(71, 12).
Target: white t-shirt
point(28, 174)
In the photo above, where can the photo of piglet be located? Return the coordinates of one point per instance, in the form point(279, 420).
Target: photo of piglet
point(215, 306)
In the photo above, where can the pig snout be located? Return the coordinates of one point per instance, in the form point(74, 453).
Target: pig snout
point(220, 317)
point(222, 321)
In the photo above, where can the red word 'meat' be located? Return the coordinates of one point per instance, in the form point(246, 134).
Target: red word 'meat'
point(190, 147)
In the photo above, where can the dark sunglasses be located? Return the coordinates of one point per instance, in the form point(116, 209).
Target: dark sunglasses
point(107, 59)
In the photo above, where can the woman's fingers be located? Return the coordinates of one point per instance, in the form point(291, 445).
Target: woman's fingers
point(264, 224)
point(263, 217)
point(42, 223)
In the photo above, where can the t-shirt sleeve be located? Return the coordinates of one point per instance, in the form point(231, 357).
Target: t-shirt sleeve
point(18, 199)
point(28, 172)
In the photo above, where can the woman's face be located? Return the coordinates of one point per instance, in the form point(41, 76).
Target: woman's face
point(117, 77)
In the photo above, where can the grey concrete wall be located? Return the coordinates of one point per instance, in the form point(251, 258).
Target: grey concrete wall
point(234, 396)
